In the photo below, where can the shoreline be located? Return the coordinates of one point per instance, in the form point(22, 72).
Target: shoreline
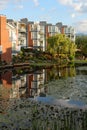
point(41, 64)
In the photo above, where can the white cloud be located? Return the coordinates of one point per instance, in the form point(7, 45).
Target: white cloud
point(19, 6)
point(73, 15)
point(46, 17)
point(53, 9)
point(42, 9)
point(77, 5)
point(81, 26)
point(65, 2)
point(3, 4)
point(36, 2)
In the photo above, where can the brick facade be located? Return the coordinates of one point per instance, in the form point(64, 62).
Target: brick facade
point(4, 40)
point(30, 41)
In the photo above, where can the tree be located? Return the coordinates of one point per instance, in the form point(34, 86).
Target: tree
point(61, 45)
point(81, 42)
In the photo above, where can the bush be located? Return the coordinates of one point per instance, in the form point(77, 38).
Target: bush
point(71, 57)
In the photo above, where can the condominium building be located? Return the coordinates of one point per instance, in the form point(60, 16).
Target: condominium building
point(33, 35)
point(24, 33)
point(69, 31)
point(38, 34)
point(18, 34)
point(43, 34)
point(13, 36)
point(52, 30)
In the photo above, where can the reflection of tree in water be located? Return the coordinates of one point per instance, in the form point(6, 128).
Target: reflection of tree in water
point(57, 72)
point(81, 70)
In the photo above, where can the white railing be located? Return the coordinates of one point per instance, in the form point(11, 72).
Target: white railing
point(22, 30)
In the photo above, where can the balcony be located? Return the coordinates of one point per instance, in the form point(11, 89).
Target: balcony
point(22, 35)
point(35, 29)
point(22, 30)
point(22, 39)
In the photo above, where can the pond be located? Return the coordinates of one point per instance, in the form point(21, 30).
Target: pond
point(62, 87)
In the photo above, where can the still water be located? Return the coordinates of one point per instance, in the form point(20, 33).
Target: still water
point(65, 86)
point(53, 98)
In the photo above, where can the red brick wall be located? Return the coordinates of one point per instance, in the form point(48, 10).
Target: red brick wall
point(62, 30)
point(47, 35)
point(30, 41)
point(4, 40)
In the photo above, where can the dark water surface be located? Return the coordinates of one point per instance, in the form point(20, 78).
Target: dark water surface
point(62, 87)
point(67, 85)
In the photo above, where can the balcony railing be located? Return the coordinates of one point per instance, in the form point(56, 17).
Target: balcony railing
point(22, 30)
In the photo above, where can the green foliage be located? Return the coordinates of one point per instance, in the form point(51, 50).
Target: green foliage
point(60, 44)
point(71, 57)
point(81, 42)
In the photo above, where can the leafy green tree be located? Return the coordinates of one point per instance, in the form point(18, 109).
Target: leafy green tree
point(81, 42)
point(61, 45)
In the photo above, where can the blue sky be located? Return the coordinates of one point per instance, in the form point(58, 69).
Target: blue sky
point(69, 12)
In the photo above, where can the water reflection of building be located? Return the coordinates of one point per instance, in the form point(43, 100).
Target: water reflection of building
point(5, 86)
point(32, 84)
point(28, 84)
point(23, 85)
point(35, 83)
point(18, 86)
point(5, 79)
